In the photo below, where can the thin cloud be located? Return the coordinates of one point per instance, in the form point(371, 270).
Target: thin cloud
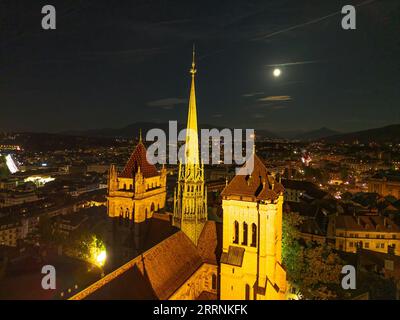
point(167, 103)
point(293, 63)
point(278, 107)
point(276, 98)
point(252, 94)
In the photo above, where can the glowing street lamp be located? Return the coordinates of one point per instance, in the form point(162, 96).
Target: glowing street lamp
point(101, 258)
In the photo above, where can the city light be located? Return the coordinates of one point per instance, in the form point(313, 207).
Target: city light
point(39, 180)
point(12, 166)
point(101, 258)
point(97, 253)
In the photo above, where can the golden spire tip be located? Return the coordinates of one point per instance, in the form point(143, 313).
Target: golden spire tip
point(193, 70)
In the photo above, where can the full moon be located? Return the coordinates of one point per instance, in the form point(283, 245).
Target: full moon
point(277, 72)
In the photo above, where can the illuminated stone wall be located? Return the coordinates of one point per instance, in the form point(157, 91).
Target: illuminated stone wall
point(262, 257)
point(201, 280)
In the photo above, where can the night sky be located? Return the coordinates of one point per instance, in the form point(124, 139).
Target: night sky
point(112, 63)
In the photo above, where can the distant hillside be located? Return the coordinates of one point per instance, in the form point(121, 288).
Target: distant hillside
point(266, 134)
point(132, 130)
point(384, 134)
point(51, 142)
point(316, 134)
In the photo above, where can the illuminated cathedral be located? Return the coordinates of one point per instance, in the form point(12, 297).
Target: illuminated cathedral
point(193, 257)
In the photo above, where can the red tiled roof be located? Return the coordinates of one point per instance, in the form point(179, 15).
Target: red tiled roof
point(366, 223)
point(210, 242)
point(138, 159)
point(253, 185)
point(156, 274)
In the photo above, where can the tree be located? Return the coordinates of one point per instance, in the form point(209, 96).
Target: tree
point(313, 268)
point(86, 246)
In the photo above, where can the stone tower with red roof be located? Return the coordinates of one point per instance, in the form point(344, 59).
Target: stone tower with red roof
point(134, 194)
point(251, 260)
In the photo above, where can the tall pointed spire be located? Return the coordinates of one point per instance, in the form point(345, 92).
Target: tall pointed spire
point(140, 135)
point(192, 141)
point(190, 199)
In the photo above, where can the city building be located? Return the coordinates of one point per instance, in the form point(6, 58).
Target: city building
point(295, 190)
point(13, 198)
point(134, 195)
point(251, 261)
point(376, 233)
point(11, 230)
point(385, 184)
point(67, 224)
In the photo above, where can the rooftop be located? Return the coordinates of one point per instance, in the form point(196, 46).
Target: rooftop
point(258, 185)
point(138, 159)
point(160, 271)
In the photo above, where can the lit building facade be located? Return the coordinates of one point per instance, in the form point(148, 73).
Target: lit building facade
point(251, 261)
point(134, 195)
point(385, 186)
point(375, 233)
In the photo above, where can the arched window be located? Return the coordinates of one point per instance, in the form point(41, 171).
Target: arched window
point(247, 289)
point(127, 217)
point(245, 234)
point(145, 212)
point(121, 216)
point(214, 281)
point(152, 207)
point(253, 235)
point(124, 186)
point(236, 232)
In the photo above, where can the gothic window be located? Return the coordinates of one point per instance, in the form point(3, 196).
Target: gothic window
point(152, 207)
point(247, 289)
point(121, 216)
point(124, 186)
point(214, 281)
point(245, 233)
point(145, 213)
point(127, 217)
point(236, 232)
point(253, 235)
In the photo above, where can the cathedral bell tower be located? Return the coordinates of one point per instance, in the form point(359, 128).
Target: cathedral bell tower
point(190, 198)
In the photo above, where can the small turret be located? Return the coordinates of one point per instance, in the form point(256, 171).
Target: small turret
point(112, 178)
